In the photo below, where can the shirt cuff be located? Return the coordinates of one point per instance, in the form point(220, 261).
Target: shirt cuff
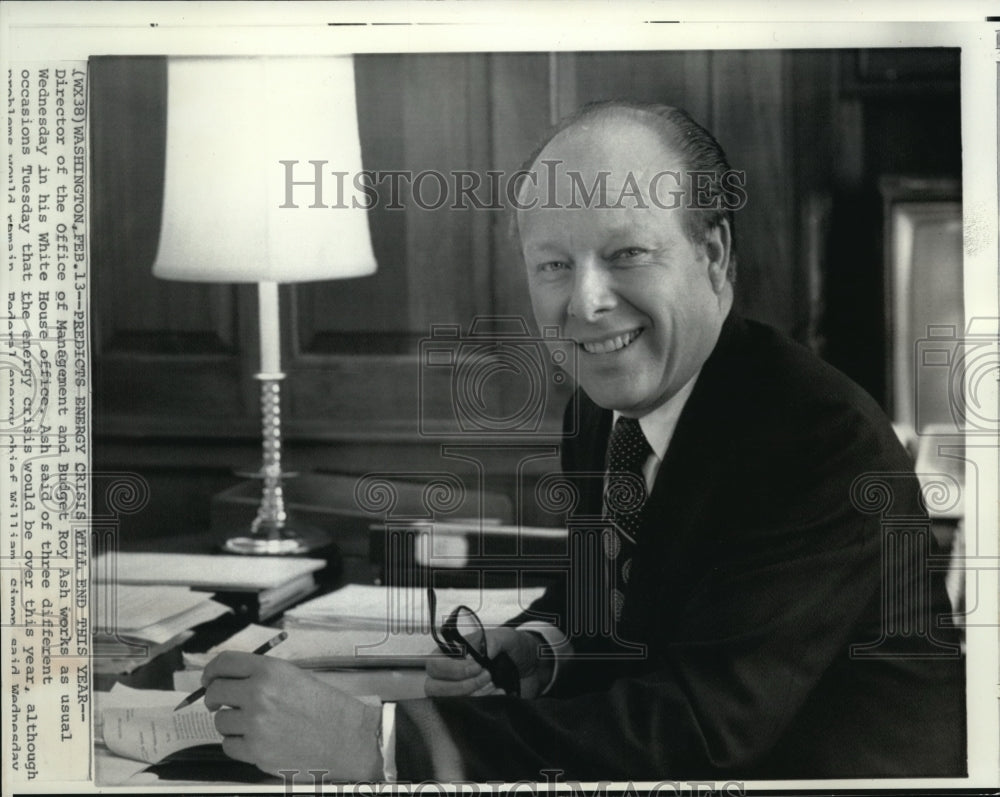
point(557, 642)
point(387, 743)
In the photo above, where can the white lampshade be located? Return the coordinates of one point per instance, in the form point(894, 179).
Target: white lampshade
point(230, 123)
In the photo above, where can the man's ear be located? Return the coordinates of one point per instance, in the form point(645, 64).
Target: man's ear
point(718, 247)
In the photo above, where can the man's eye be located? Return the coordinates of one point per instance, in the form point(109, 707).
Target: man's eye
point(627, 252)
point(552, 267)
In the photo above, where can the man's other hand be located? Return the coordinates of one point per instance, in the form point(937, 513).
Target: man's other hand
point(278, 717)
point(448, 677)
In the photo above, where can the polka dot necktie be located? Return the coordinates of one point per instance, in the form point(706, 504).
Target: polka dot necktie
point(624, 496)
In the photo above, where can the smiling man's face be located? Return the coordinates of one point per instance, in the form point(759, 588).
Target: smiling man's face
point(644, 303)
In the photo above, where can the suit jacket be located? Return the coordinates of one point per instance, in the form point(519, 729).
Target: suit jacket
point(780, 586)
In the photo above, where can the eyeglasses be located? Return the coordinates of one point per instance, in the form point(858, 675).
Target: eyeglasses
point(454, 643)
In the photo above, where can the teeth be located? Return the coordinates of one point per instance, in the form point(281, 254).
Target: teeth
point(612, 344)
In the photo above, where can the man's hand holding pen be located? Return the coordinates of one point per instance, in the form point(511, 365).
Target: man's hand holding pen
point(279, 717)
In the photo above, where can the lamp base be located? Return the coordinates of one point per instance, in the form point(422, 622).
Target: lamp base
point(278, 541)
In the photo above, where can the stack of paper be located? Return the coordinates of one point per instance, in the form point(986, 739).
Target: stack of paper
point(405, 610)
point(257, 586)
point(205, 571)
point(134, 624)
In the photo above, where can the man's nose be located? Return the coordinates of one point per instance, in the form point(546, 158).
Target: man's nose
point(593, 291)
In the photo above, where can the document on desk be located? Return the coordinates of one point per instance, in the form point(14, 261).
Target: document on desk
point(402, 610)
point(153, 614)
point(327, 649)
point(134, 730)
point(152, 734)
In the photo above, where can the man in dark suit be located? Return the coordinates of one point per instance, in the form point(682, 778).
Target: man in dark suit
point(748, 613)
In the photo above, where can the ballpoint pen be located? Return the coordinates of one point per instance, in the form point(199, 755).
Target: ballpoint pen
point(200, 691)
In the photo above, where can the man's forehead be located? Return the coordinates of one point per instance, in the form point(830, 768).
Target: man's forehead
point(610, 143)
point(615, 155)
point(544, 230)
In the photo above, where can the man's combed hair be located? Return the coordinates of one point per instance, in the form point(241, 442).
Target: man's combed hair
point(682, 135)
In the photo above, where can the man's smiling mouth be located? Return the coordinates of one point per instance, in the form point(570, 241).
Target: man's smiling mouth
point(612, 344)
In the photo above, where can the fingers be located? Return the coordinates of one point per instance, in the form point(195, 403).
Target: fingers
point(227, 692)
point(232, 664)
point(496, 641)
point(238, 748)
point(474, 637)
point(467, 686)
point(445, 669)
point(453, 677)
point(230, 722)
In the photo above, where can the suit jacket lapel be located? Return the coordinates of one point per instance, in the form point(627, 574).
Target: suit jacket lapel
point(685, 480)
point(595, 428)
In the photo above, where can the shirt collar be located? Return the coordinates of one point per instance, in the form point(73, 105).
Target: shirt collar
point(658, 425)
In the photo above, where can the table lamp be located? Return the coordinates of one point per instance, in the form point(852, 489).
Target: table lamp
point(249, 141)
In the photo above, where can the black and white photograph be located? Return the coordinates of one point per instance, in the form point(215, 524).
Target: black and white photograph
point(402, 402)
